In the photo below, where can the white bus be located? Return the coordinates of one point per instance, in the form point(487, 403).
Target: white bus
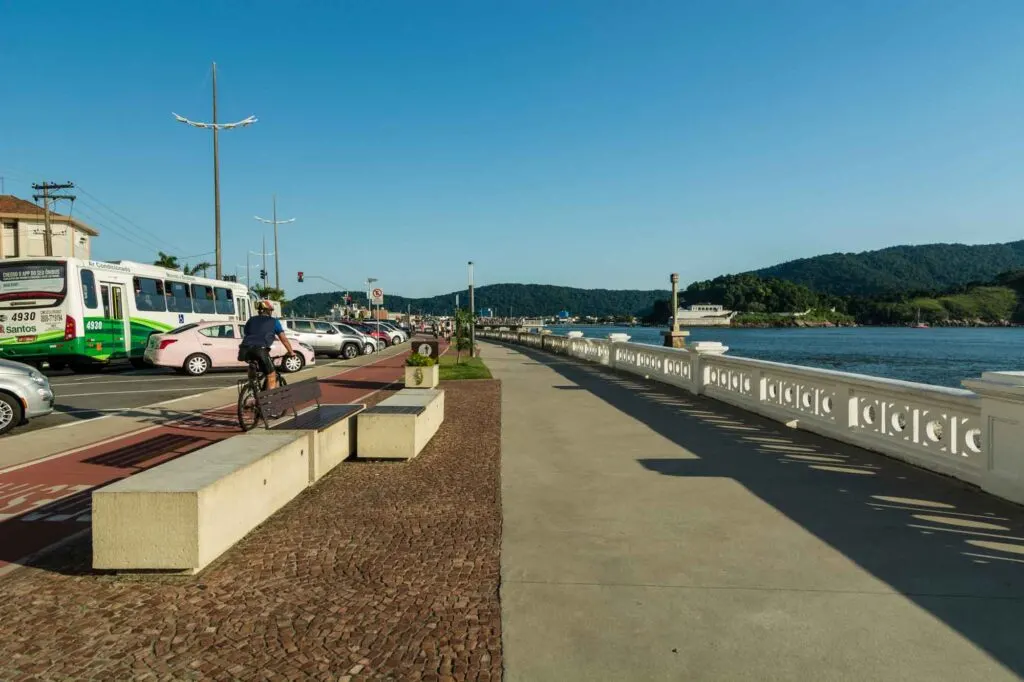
point(83, 313)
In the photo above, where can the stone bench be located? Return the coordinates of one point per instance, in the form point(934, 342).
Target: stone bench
point(183, 514)
point(401, 426)
point(330, 430)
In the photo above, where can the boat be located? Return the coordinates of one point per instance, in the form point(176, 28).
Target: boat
point(920, 324)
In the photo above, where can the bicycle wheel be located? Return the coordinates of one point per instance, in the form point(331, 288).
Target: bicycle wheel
point(248, 409)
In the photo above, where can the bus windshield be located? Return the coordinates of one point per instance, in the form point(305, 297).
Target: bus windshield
point(32, 284)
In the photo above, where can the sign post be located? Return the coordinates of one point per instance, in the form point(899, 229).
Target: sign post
point(377, 299)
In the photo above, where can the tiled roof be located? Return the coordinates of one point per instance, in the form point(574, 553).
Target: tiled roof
point(11, 205)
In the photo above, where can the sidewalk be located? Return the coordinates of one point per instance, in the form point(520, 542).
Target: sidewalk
point(653, 535)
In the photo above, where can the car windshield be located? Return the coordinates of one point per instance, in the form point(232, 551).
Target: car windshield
point(183, 328)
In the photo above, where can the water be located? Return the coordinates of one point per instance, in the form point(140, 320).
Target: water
point(941, 356)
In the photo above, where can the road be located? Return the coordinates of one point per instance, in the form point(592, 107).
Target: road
point(89, 396)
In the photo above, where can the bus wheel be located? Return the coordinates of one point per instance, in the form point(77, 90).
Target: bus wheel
point(138, 363)
point(58, 366)
point(85, 368)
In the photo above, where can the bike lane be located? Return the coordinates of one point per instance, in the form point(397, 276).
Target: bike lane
point(48, 502)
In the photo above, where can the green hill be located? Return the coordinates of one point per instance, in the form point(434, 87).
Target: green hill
point(520, 299)
point(929, 267)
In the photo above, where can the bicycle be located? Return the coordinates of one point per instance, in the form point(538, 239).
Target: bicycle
point(248, 409)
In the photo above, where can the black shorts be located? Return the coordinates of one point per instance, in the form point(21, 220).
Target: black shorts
point(261, 356)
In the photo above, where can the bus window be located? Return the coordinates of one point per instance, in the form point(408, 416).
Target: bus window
point(202, 299)
point(89, 289)
point(105, 297)
point(149, 294)
point(179, 297)
point(225, 303)
point(32, 284)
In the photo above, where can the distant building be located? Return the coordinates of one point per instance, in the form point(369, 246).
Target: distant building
point(486, 312)
point(564, 315)
point(23, 228)
point(705, 315)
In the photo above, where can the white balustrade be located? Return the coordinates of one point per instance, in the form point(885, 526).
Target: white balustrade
point(977, 436)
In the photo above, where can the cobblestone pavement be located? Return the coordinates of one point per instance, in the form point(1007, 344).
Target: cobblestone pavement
point(383, 571)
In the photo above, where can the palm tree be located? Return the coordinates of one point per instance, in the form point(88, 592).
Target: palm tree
point(200, 267)
point(166, 261)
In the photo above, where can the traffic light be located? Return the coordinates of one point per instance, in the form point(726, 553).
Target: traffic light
point(300, 275)
point(263, 274)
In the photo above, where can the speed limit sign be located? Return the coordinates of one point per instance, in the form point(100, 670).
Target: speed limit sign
point(377, 297)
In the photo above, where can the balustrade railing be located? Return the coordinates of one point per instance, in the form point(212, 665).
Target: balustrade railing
point(931, 426)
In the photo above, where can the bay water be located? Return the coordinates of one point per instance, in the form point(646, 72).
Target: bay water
point(943, 356)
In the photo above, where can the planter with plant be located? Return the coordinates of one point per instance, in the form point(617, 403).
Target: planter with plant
point(421, 372)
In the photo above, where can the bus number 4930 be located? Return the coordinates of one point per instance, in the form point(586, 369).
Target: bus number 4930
point(94, 325)
point(22, 317)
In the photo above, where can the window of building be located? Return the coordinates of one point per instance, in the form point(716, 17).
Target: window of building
point(149, 294)
point(225, 303)
point(89, 289)
point(202, 299)
point(179, 297)
point(10, 239)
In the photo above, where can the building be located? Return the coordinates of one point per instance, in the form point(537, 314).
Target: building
point(24, 233)
point(705, 315)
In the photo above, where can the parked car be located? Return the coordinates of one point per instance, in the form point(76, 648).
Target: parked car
point(197, 348)
point(25, 394)
point(371, 330)
point(370, 344)
point(323, 337)
point(398, 335)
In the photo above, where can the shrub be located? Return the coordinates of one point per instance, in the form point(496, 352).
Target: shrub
point(417, 360)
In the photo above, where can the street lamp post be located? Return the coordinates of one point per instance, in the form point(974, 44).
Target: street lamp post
point(472, 313)
point(216, 128)
point(275, 222)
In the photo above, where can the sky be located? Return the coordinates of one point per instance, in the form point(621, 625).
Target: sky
point(580, 142)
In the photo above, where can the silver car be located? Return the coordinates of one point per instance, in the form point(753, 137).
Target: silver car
point(323, 337)
point(369, 344)
point(25, 394)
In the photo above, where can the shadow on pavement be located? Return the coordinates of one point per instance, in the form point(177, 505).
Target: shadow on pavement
point(956, 552)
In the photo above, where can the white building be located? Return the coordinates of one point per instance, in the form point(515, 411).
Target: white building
point(23, 231)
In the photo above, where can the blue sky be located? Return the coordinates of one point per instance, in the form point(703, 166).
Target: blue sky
point(584, 143)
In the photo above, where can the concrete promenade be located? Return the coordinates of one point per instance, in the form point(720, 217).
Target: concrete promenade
point(649, 534)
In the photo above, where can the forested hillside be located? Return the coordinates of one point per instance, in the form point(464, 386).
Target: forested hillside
point(929, 267)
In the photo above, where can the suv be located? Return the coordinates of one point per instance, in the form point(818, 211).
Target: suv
point(324, 338)
point(370, 344)
point(24, 394)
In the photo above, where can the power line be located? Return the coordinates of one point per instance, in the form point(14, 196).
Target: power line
point(46, 188)
point(125, 219)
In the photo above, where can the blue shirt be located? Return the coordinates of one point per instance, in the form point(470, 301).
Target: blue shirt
point(260, 331)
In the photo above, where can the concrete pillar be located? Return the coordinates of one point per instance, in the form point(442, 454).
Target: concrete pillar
point(1002, 432)
point(699, 369)
point(674, 338)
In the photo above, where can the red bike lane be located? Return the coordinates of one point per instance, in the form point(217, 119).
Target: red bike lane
point(47, 502)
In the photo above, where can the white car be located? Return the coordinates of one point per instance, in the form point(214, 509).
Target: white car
point(394, 333)
point(25, 394)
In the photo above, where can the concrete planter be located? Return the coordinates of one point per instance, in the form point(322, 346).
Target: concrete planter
point(422, 377)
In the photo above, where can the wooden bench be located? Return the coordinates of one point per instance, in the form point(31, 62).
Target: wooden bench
point(331, 440)
point(401, 426)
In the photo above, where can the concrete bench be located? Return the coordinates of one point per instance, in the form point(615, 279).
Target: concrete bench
point(181, 515)
point(401, 426)
point(330, 431)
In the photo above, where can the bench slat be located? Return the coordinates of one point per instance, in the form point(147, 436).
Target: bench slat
point(319, 418)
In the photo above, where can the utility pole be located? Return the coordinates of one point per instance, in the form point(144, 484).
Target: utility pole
point(216, 127)
point(277, 262)
point(472, 313)
point(45, 188)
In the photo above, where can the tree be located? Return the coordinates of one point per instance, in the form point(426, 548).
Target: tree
point(166, 261)
point(200, 267)
point(463, 321)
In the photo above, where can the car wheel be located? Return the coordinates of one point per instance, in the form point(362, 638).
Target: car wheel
point(293, 363)
point(196, 365)
point(10, 412)
point(349, 351)
point(368, 349)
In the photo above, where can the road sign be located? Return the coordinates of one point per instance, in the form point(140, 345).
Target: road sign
point(377, 296)
point(428, 349)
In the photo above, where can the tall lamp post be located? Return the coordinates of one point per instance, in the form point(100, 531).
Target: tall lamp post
point(275, 222)
point(472, 313)
point(674, 337)
point(216, 128)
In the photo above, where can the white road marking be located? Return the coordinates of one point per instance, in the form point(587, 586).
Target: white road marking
point(151, 390)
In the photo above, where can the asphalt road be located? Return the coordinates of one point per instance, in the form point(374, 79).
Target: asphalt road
point(88, 396)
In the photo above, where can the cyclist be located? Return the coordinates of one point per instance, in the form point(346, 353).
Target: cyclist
point(259, 334)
